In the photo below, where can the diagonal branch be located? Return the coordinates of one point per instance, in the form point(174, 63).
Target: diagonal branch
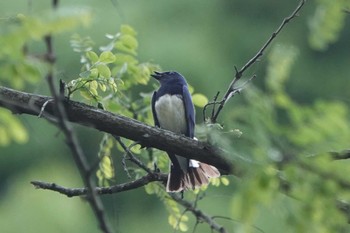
point(132, 156)
point(27, 103)
point(232, 87)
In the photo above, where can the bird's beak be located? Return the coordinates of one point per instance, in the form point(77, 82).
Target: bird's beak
point(156, 75)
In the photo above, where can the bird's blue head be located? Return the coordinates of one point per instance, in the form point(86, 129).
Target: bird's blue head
point(169, 77)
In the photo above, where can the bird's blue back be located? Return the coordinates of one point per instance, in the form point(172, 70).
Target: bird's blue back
point(173, 83)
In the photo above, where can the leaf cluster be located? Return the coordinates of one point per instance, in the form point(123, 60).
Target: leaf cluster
point(115, 66)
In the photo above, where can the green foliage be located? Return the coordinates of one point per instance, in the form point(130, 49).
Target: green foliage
point(268, 127)
point(317, 190)
point(220, 180)
point(11, 129)
point(176, 219)
point(199, 100)
point(19, 68)
point(17, 33)
point(307, 127)
point(280, 129)
point(257, 191)
point(115, 67)
point(327, 22)
point(105, 173)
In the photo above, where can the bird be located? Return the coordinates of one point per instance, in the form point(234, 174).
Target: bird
point(173, 110)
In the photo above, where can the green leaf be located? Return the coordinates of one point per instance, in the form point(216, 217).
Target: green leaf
point(4, 138)
point(85, 93)
point(102, 87)
point(122, 59)
point(127, 44)
point(85, 74)
point(92, 56)
point(108, 47)
point(93, 92)
point(112, 84)
point(81, 44)
point(107, 57)
point(107, 167)
point(128, 30)
point(93, 84)
point(18, 132)
point(94, 73)
point(199, 100)
point(104, 70)
point(224, 180)
point(183, 227)
point(215, 182)
point(11, 129)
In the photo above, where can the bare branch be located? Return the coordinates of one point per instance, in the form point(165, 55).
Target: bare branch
point(71, 140)
point(74, 192)
point(132, 156)
point(239, 73)
point(214, 102)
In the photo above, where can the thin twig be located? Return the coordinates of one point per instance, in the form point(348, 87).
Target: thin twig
point(43, 107)
point(198, 197)
point(214, 102)
point(233, 220)
point(238, 73)
point(125, 166)
point(200, 215)
point(132, 157)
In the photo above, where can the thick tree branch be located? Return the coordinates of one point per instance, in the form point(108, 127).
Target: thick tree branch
point(26, 103)
point(341, 155)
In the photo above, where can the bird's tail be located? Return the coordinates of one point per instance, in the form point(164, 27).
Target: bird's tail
point(197, 174)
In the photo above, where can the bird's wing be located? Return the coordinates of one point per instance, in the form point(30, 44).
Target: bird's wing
point(156, 122)
point(189, 111)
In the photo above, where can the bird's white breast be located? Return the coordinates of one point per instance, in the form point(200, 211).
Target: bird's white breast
point(171, 113)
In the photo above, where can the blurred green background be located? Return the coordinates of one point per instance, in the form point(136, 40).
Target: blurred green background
point(203, 40)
